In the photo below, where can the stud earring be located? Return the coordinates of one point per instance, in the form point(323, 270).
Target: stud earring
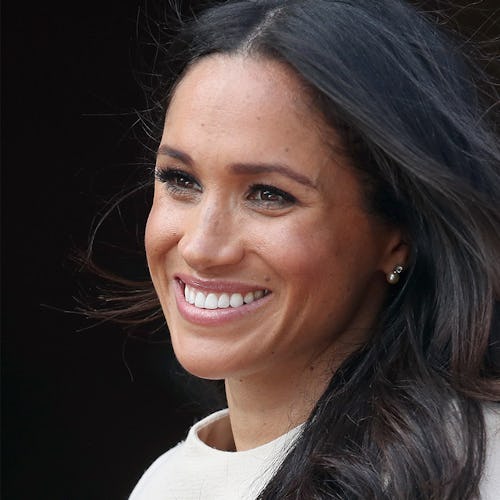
point(393, 276)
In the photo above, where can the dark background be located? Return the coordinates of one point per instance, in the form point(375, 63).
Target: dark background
point(84, 411)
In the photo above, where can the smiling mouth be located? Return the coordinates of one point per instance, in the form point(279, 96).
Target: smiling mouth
point(217, 300)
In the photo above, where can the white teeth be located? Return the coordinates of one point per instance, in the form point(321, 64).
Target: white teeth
point(212, 301)
point(199, 301)
point(223, 301)
point(236, 300)
point(220, 301)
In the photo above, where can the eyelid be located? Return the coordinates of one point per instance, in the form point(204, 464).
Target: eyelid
point(173, 178)
point(162, 173)
point(167, 176)
point(287, 199)
point(270, 187)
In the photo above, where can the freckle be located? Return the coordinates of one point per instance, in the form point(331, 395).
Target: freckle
point(258, 118)
point(202, 124)
point(311, 368)
point(272, 353)
point(267, 279)
point(287, 150)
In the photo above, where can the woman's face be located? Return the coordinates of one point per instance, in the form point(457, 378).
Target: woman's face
point(260, 251)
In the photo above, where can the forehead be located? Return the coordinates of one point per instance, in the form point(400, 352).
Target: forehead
point(237, 109)
point(253, 104)
point(224, 86)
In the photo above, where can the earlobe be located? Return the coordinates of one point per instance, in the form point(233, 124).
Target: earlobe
point(396, 257)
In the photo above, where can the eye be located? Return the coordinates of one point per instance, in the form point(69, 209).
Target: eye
point(270, 196)
point(177, 181)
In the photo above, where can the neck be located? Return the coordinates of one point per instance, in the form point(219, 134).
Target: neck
point(279, 396)
point(265, 406)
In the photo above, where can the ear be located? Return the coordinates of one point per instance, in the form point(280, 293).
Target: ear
point(397, 251)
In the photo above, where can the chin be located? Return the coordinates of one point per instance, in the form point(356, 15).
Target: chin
point(214, 364)
point(201, 369)
point(200, 363)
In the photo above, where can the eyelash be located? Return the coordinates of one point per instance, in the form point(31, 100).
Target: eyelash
point(286, 199)
point(182, 184)
point(176, 180)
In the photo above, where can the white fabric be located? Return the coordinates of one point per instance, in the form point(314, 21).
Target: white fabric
point(194, 471)
point(490, 482)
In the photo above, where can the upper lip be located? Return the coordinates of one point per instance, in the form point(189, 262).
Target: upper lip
point(218, 285)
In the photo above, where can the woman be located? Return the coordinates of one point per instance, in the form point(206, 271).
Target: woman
point(324, 237)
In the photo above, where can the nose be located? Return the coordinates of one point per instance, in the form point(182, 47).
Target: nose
point(212, 238)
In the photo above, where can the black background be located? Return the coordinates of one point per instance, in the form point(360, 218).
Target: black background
point(84, 411)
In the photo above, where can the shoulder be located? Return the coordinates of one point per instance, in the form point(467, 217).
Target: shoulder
point(160, 468)
point(490, 483)
point(177, 472)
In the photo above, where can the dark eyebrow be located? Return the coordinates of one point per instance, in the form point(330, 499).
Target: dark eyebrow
point(174, 153)
point(242, 168)
point(258, 168)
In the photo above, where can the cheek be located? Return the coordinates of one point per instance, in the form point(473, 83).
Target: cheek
point(312, 261)
point(335, 248)
point(161, 233)
point(298, 249)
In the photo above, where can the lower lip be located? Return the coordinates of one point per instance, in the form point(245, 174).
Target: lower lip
point(200, 316)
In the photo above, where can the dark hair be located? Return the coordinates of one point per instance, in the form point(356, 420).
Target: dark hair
point(402, 417)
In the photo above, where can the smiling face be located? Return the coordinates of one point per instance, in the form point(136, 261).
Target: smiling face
point(262, 256)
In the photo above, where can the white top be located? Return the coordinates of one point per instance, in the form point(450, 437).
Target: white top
point(192, 470)
point(490, 482)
